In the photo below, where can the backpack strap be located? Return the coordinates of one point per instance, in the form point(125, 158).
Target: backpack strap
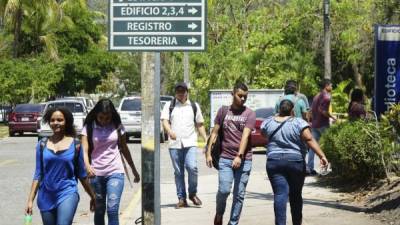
point(42, 145)
point(171, 108)
point(194, 107)
point(77, 144)
point(221, 125)
point(89, 131)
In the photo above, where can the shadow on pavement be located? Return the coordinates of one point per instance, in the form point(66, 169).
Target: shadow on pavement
point(316, 202)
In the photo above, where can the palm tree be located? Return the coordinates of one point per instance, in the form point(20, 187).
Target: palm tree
point(38, 19)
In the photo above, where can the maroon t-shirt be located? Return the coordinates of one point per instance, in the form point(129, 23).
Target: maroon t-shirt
point(356, 111)
point(234, 123)
point(320, 103)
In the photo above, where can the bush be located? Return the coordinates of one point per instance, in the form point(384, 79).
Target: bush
point(358, 151)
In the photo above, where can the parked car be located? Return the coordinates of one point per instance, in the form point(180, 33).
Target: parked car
point(130, 110)
point(23, 119)
point(257, 139)
point(164, 99)
point(89, 104)
point(77, 108)
point(5, 110)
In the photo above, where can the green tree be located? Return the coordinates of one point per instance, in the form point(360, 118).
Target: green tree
point(32, 24)
point(28, 79)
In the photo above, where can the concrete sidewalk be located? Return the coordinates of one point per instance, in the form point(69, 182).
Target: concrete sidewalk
point(321, 205)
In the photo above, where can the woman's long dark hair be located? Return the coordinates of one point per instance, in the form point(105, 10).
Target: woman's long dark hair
point(102, 106)
point(69, 119)
point(357, 95)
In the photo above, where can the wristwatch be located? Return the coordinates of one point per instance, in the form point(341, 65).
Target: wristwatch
point(240, 155)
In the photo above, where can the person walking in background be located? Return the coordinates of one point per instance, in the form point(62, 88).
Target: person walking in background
point(320, 117)
point(104, 141)
point(180, 117)
point(290, 93)
point(59, 164)
point(286, 160)
point(356, 108)
point(236, 155)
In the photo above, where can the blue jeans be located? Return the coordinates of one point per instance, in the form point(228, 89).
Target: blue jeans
point(108, 191)
point(316, 133)
point(240, 177)
point(63, 214)
point(286, 173)
point(184, 158)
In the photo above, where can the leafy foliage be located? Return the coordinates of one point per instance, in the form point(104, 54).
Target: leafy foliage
point(64, 32)
point(28, 79)
point(340, 96)
point(359, 151)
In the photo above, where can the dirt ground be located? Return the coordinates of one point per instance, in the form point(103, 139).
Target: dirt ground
point(381, 200)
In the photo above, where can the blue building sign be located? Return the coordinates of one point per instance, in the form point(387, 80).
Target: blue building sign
point(387, 67)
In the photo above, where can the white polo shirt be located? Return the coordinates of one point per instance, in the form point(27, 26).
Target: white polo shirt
point(182, 123)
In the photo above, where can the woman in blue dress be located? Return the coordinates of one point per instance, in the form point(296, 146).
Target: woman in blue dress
point(59, 165)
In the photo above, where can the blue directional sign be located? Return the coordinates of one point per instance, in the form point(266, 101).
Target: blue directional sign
point(157, 25)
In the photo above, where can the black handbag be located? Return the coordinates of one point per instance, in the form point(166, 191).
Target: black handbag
point(217, 145)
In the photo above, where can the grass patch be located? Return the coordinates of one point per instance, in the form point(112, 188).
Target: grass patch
point(3, 130)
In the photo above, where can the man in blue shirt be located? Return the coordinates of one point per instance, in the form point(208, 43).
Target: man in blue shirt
point(300, 106)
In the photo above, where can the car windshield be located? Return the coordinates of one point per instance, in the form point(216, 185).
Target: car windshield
point(28, 108)
point(264, 112)
point(72, 106)
point(166, 98)
point(131, 105)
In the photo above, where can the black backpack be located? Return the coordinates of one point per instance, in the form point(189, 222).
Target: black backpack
point(172, 106)
point(216, 148)
point(43, 143)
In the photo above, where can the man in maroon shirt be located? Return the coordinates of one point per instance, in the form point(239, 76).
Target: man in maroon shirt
point(236, 121)
point(320, 118)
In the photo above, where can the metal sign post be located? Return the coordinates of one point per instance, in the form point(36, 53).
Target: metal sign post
point(186, 69)
point(155, 25)
point(150, 81)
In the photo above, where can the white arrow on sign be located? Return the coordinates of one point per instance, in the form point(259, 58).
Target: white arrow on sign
point(193, 10)
point(192, 26)
point(192, 40)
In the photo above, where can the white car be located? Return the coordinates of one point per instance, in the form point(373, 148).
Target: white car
point(164, 99)
point(130, 110)
point(89, 104)
point(77, 108)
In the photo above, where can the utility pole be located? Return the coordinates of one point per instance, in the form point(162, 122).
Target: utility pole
point(186, 71)
point(327, 41)
point(150, 82)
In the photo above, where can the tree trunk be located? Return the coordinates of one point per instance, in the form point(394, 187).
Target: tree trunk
point(327, 41)
point(357, 76)
point(17, 31)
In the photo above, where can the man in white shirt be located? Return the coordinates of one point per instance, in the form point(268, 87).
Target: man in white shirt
point(180, 117)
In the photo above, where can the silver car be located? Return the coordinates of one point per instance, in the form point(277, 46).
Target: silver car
point(77, 108)
point(130, 110)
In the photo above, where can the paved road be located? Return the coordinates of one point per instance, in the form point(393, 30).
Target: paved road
point(320, 203)
point(17, 162)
